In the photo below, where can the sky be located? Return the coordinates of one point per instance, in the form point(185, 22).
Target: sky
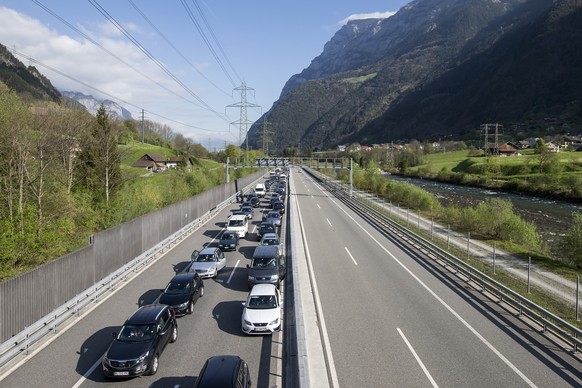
point(185, 63)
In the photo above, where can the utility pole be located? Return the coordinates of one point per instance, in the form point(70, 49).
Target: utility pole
point(142, 127)
point(243, 123)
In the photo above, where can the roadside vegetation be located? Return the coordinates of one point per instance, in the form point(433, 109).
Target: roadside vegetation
point(65, 175)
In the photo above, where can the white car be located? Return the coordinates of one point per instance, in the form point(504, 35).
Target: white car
point(208, 262)
point(262, 310)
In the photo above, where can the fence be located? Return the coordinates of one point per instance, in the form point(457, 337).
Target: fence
point(26, 299)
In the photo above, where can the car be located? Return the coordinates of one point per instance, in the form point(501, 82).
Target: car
point(245, 203)
point(267, 266)
point(262, 310)
point(280, 207)
point(265, 227)
point(260, 190)
point(251, 195)
point(238, 223)
point(255, 202)
point(228, 240)
point(182, 292)
point(247, 211)
point(208, 262)
point(270, 239)
point(274, 217)
point(228, 371)
point(137, 348)
point(281, 191)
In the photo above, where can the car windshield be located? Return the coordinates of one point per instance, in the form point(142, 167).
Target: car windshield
point(177, 288)
point(262, 302)
point(267, 228)
point(247, 209)
point(202, 257)
point(235, 223)
point(270, 241)
point(264, 262)
point(273, 215)
point(228, 236)
point(136, 333)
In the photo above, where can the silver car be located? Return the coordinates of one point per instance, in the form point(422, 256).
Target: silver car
point(208, 262)
point(274, 217)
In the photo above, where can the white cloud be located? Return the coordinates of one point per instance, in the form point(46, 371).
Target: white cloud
point(360, 16)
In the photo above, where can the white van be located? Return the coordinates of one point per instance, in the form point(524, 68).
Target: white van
point(260, 190)
point(238, 224)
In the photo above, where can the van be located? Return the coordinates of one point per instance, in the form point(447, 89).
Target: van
point(260, 190)
point(267, 266)
point(239, 224)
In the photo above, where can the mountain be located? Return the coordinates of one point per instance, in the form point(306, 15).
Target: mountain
point(26, 81)
point(90, 103)
point(437, 68)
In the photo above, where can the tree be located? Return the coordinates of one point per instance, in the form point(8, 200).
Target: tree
point(571, 244)
point(102, 172)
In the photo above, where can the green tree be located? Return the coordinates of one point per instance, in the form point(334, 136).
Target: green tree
point(570, 246)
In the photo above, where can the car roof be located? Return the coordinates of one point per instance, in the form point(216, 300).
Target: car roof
point(183, 277)
point(208, 251)
point(265, 251)
point(219, 371)
point(276, 214)
point(263, 289)
point(146, 314)
point(238, 217)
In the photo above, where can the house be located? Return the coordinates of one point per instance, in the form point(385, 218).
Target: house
point(174, 161)
point(153, 162)
point(505, 149)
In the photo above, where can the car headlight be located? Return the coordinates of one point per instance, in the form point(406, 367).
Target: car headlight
point(182, 305)
point(143, 357)
point(275, 277)
point(247, 322)
point(106, 361)
point(274, 322)
point(251, 278)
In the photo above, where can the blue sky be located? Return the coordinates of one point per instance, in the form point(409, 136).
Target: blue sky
point(259, 42)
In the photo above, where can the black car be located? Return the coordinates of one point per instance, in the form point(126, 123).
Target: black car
point(137, 347)
point(274, 199)
point(265, 227)
point(255, 201)
point(182, 292)
point(224, 371)
point(228, 240)
point(279, 206)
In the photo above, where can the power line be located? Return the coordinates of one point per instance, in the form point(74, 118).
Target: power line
point(30, 59)
point(111, 53)
point(152, 57)
point(205, 39)
point(143, 15)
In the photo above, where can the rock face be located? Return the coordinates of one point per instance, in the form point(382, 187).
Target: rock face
point(437, 68)
point(90, 103)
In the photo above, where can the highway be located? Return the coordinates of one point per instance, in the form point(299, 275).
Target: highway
point(388, 318)
point(393, 320)
point(73, 358)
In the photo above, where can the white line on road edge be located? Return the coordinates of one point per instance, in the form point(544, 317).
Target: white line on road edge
point(351, 257)
point(88, 373)
point(455, 314)
point(323, 329)
point(327, 219)
point(318, 205)
point(232, 273)
point(426, 372)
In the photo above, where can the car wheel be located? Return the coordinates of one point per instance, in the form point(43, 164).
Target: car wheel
point(174, 334)
point(154, 364)
point(189, 308)
point(201, 291)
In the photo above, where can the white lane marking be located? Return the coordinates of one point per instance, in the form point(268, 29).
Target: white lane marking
point(318, 205)
point(88, 373)
point(318, 306)
point(455, 314)
point(426, 372)
point(232, 273)
point(351, 257)
point(327, 219)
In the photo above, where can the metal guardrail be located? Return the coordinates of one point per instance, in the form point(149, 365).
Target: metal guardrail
point(547, 320)
point(23, 341)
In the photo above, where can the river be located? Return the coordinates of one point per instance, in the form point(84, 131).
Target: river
point(552, 217)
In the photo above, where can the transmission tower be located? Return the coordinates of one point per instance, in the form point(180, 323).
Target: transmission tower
point(491, 148)
point(243, 123)
point(266, 136)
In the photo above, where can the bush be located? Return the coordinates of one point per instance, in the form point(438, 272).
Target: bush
point(570, 246)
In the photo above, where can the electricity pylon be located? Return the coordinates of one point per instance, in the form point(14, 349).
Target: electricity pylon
point(243, 123)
